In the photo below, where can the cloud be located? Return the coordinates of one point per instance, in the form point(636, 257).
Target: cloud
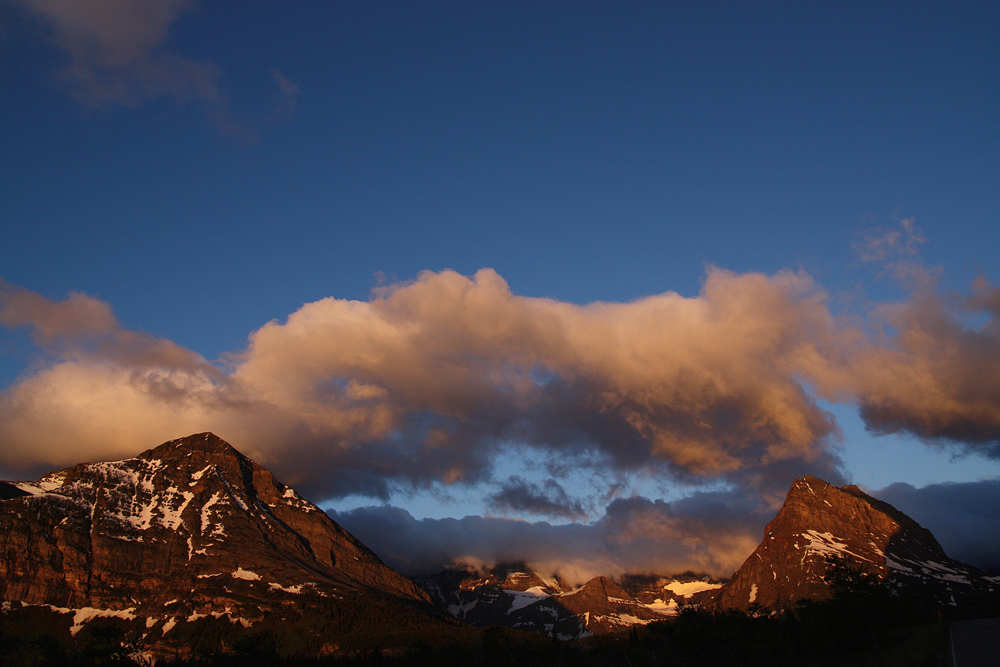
point(105, 385)
point(708, 532)
point(928, 375)
point(119, 54)
point(451, 364)
point(425, 383)
point(964, 517)
point(78, 316)
point(545, 499)
point(889, 246)
point(288, 94)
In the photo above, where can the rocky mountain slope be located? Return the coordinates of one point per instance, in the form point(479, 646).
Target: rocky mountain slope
point(190, 543)
point(514, 595)
point(187, 531)
point(819, 522)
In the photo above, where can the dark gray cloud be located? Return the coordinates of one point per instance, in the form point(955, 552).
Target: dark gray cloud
point(547, 498)
point(708, 531)
point(964, 517)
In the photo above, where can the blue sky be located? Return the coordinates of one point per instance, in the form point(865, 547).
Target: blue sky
point(201, 170)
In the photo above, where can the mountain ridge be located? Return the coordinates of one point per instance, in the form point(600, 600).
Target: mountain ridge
point(193, 532)
point(819, 523)
point(187, 530)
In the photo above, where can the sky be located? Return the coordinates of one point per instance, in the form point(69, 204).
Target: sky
point(587, 284)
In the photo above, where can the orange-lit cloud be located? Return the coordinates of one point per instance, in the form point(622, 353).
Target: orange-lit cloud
point(426, 382)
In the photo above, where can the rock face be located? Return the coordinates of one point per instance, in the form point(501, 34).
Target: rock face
point(819, 521)
point(514, 595)
point(189, 529)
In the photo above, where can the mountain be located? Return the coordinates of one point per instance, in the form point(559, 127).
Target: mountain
point(189, 532)
point(514, 595)
point(819, 522)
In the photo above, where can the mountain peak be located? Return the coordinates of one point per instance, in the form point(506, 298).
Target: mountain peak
point(605, 587)
point(820, 521)
point(191, 527)
point(205, 444)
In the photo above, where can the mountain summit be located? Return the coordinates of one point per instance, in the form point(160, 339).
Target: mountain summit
point(188, 530)
point(820, 522)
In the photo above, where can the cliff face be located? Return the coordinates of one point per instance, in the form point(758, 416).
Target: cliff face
point(819, 521)
point(191, 527)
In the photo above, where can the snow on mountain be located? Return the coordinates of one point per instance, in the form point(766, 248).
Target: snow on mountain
point(819, 522)
point(189, 530)
point(513, 594)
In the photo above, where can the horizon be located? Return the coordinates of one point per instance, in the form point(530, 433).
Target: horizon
point(593, 285)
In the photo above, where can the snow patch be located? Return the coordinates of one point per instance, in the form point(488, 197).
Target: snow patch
point(86, 614)
point(523, 599)
point(247, 575)
point(689, 588)
point(206, 516)
point(172, 517)
point(288, 589)
point(753, 593)
point(663, 608)
point(890, 563)
point(824, 543)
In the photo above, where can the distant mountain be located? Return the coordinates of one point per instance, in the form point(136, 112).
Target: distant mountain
point(819, 522)
point(514, 595)
point(187, 533)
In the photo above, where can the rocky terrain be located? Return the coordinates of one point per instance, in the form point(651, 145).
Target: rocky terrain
point(187, 531)
point(514, 595)
point(190, 546)
point(820, 522)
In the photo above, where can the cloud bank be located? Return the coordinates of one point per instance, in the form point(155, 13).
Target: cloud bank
point(963, 517)
point(710, 532)
point(428, 380)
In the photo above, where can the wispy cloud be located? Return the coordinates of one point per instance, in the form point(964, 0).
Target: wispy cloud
point(119, 54)
point(889, 245)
